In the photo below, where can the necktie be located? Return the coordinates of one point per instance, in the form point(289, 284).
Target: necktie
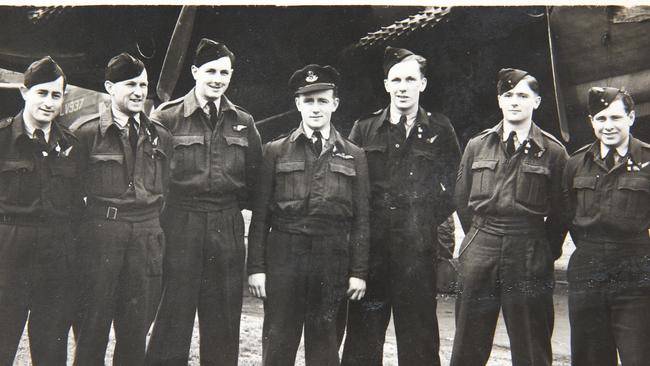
point(609, 159)
point(402, 124)
point(510, 143)
point(317, 142)
point(213, 114)
point(39, 140)
point(133, 133)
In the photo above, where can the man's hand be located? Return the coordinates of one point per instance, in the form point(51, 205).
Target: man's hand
point(357, 288)
point(257, 285)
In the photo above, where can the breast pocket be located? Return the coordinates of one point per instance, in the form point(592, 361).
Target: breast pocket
point(483, 179)
point(155, 168)
point(189, 156)
point(13, 178)
point(532, 185)
point(630, 198)
point(290, 184)
point(341, 176)
point(376, 157)
point(585, 188)
point(63, 172)
point(236, 154)
point(106, 175)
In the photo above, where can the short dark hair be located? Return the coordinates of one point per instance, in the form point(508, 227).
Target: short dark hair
point(422, 63)
point(628, 102)
point(532, 82)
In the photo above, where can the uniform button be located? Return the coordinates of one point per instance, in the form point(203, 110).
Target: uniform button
point(397, 146)
point(410, 173)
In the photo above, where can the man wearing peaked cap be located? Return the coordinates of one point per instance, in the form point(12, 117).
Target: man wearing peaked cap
point(214, 172)
point(509, 201)
point(37, 203)
point(413, 158)
point(308, 241)
point(607, 191)
point(123, 163)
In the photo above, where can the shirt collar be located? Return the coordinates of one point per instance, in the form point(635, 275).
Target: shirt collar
point(325, 131)
point(521, 131)
point(29, 129)
point(203, 103)
point(191, 103)
point(419, 118)
point(535, 134)
point(620, 150)
point(334, 137)
point(121, 118)
point(395, 117)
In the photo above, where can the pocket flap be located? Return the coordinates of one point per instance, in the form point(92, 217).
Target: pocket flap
point(428, 154)
point(379, 148)
point(118, 158)
point(584, 182)
point(159, 153)
point(63, 167)
point(343, 169)
point(188, 140)
point(535, 169)
point(484, 164)
point(236, 140)
point(289, 166)
point(633, 183)
point(15, 165)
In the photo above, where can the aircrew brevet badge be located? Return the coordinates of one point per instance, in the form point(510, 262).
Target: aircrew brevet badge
point(311, 77)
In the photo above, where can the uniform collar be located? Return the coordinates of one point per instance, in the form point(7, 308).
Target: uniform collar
point(191, 104)
point(395, 117)
point(621, 150)
point(535, 134)
point(121, 118)
point(29, 129)
point(325, 131)
point(634, 148)
point(522, 132)
point(106, 120)
point(421, 117)
point(335, 137)
point(57, 136)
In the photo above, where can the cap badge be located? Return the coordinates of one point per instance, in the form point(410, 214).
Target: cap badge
point(311, 77)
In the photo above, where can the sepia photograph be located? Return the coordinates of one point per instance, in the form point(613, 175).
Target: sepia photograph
point(324, 185)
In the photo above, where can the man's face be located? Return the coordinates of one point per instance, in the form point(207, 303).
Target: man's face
point(316, 108)
point(128, 96)
point(212, 78)
point(43, 101)
point(518, 103)
point(612, 124)
point(404, 83)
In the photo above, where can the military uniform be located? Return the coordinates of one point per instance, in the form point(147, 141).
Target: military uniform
point(609, 272)
point(506, 258)
point(213, 174)
point(122, 241)
point(411, 185)
point(317, 209)
point(37, 203)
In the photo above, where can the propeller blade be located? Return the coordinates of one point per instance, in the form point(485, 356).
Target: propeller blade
point(559, 97)
point(176, 51)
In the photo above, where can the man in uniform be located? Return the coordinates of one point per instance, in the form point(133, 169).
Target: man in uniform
point(607, 188)
point(123, 160)
point(508, 183)
point(37, 185)
point(313, 195)
point(217, 154)
point(413, 158)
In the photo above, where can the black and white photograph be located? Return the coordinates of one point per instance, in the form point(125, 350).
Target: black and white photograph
point(324, 184)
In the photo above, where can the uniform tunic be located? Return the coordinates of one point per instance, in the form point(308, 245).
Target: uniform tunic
point(411, 183)
point(121, 238)
point(316, 208)
point(609, 273)
point(37, 202)
point(506, 259)
point(213, 174)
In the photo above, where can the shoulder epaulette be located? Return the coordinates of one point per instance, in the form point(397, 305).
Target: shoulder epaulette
point(242, 109)
point(159, 124)
point(82, 121)
point(281, 136)
point(644, 144)
point(5, 122)
point(170, 103)
point(481, 133)
point(553, 138)
point(582, 149)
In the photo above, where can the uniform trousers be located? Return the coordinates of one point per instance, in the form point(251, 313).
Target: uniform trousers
point(120, 278)
point(36, 278)
point(306, 282)
point(402, 279)
point(609, 304)
point(512, 272)
point(204, 271)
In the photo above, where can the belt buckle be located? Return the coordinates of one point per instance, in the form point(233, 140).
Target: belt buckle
point(111, 213)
